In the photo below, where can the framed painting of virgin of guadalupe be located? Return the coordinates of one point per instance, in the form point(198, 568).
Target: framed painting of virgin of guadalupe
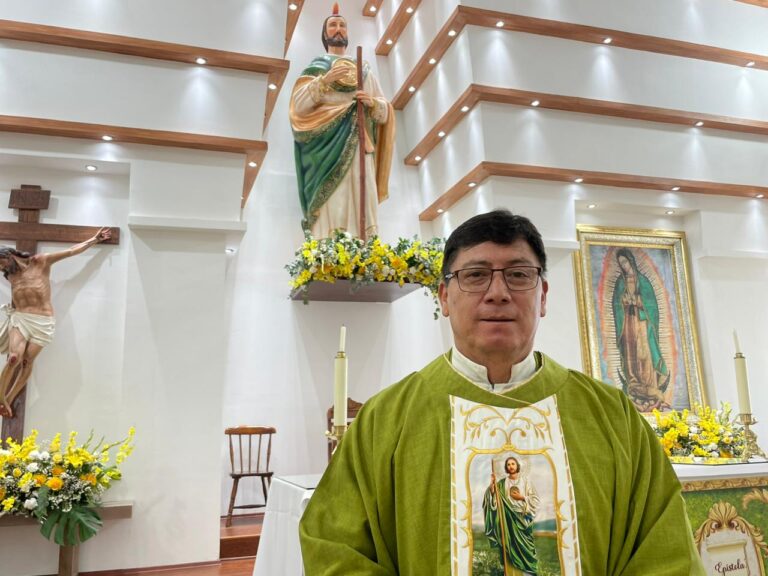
point(638, 328)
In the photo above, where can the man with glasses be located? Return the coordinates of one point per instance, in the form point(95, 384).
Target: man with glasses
point(404, 493)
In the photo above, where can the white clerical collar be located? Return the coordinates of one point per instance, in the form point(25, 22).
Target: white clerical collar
point(478, 374)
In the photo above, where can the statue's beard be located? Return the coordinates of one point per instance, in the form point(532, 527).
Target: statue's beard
point(337, 40)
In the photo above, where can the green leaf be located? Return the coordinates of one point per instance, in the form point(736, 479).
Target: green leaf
point(42, 502)
point(49, 523)
point(73, 527)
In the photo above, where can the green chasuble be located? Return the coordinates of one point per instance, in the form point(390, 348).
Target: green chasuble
point(409, 490)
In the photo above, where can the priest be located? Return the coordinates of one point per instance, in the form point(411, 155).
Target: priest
point(404, 493)
point(323, 116)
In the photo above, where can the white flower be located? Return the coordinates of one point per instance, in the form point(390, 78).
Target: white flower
point(45, 455)
point(694, 429)
point(712, 447)
point(30, 503)
point(5, 452)
point(715, 454)
point(33, 467)
point(34, 455)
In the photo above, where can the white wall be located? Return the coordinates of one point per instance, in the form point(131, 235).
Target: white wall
point(251, 26)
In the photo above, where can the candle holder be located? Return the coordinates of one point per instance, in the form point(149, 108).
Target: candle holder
point(335, 434)
point(751, 449)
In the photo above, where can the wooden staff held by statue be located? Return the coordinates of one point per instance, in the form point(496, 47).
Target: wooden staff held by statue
point(361, 135)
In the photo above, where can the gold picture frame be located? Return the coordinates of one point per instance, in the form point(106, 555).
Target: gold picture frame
point(636, 315)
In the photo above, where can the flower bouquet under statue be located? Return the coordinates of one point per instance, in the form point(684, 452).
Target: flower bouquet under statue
point(59, 486)
point(363, 262)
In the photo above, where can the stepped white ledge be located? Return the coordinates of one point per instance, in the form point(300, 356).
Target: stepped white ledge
point(191, 224)
point(744, 254)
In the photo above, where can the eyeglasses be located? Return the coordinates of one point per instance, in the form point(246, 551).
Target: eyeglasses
point(517, 278)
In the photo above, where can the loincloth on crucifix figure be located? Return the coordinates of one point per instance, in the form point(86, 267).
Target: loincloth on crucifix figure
point(27, 324)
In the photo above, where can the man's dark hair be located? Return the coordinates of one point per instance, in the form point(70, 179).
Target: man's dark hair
point(324, 36)
point(500, 227)
point(7, 252)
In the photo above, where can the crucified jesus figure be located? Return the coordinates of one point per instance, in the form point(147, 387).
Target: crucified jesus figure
point(27, 323)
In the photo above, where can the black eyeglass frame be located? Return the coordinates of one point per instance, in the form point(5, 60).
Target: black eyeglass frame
point(455, 273)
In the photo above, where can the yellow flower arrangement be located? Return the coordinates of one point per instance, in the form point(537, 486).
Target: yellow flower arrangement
point(364, 262)
point(705, 435)
point(61, 488)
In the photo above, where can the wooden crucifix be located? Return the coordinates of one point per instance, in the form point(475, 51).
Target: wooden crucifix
point(27, 232)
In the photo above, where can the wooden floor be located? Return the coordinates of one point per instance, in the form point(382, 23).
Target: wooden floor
point(232, 567)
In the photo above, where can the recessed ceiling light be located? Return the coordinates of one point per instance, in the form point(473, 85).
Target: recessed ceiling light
point(499, 24)
point(107, 138)
point(272, 86)
point(292, 6)
point(417, 158)
point(590, 206)
point(440, 210)
point(472, 184)
point(411, 89)
point(465, 108)
point(389, 42)
point(441, 134)
point(607, 40)
point(200, 60)
point(433, 61)
point(535, 103)
point(579, 180)
point(451, 33)
point(252, 164)
point(750, 64)
point(675, 188)
point(669, 212)
point(699, 124)
point(409, 10)
point(759, 195)
point(91, 168)
point(229, 250)
point(372, 9)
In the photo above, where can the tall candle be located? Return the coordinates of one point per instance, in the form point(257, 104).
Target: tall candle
point(340, 383)
point(742, 384)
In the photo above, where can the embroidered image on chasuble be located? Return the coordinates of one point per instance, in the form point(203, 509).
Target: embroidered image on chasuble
point(512, 507)
point(325, 129)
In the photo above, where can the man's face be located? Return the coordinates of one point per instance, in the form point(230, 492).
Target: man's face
point(499, 321)
point(511, 466)
point(336, 31)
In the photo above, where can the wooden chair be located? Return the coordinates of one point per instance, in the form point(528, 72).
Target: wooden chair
point(249, 455)
point(353, 408)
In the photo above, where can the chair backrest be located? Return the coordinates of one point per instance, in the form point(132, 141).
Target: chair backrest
point(250, 449)
point(353, 407)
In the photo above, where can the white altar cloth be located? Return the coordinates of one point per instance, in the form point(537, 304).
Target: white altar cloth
point(279, 551)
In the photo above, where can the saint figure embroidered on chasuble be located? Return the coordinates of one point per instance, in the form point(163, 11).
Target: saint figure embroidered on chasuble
point(513, 510)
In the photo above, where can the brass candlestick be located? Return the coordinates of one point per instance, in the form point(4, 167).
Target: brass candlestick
point(336, 433)
point(751, 449)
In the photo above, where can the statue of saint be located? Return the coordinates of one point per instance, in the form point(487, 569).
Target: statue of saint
point(644, 374)
point(323, 116)
point(27, 323)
